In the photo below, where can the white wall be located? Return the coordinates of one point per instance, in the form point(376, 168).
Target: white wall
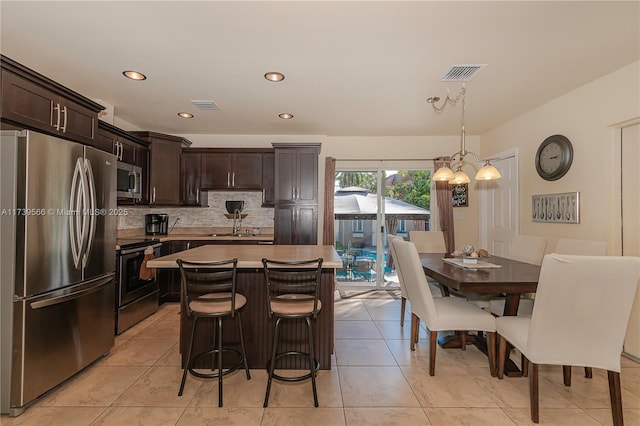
point(589, 117)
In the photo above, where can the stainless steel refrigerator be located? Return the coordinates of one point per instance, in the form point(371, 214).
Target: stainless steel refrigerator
point(57, 259)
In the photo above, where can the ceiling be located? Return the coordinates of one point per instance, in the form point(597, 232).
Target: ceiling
point(362, 68)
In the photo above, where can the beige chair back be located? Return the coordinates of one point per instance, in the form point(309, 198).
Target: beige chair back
point(582, 310)
point(394, 256)
point(415, 281)
point(528, 249)
point(581, 247)
point(428, 241)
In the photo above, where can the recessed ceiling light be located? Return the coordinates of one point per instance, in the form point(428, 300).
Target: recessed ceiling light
point(134, 75)
point(185, 114)
point(285, 116)
point(274, 76)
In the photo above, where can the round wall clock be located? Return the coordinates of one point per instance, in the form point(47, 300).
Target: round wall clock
point(554, 157)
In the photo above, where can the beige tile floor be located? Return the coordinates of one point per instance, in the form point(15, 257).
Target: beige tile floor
point(375, 380)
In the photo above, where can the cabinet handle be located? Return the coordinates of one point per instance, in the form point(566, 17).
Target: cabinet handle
point(121, 149)
point(197, 196)
point(228, 179)
point(57, 125)
point(64, 126)
point(153, 198)
point(233, 179)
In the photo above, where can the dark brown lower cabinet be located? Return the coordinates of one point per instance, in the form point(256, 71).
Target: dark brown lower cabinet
point(258, 328)
point(296, 224)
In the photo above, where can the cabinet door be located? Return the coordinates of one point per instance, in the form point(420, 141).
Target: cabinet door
point(106, 141)
point(27, 103)
point(306, 225)
point(285, 176)
point(216, 171)
point(307, 176)
point(165, 172)
point(142, 160)
point(77, 122)
point(246, 170)
point(268, 179)
point(284, 224)
point(190, 179)
point(127, 151)
point(296, 224)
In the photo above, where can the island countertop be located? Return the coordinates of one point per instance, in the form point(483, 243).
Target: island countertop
point(250, 256)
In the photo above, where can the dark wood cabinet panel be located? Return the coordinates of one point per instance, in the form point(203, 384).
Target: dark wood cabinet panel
point(246, 170)
point(31, 100)
point(268, 179)
point(296, 175)
point(232, 170)
point(216, 171)
point(128, 149)
point(296, 194)
point(190, 179)
point(164, 175)
point(296, 224)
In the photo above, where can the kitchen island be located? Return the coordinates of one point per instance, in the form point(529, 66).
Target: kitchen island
point(258, 329)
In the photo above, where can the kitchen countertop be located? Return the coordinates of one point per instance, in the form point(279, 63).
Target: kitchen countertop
point(250, 256)
point(200, 233)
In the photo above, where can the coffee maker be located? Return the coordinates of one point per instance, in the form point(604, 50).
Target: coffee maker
point(156, 223)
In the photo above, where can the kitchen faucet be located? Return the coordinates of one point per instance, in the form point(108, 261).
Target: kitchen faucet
point(237, 222)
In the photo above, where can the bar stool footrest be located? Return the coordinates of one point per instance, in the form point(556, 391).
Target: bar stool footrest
point(294, 378)
point(192, 369)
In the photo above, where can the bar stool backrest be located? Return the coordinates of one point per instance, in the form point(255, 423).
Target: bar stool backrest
point(208, 282)
point(293, 281)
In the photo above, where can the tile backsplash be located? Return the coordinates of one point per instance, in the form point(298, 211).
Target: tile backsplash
point(213, 216)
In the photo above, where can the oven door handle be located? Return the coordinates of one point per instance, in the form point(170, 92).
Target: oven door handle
point(140, 249)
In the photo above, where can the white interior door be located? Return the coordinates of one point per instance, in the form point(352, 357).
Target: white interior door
point(630, 158)
point(499, 206)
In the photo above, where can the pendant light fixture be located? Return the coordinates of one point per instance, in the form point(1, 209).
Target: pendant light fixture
point(446, 174)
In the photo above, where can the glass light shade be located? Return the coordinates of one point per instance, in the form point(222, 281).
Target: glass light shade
point(488, 172)
point(460, 177)
point(443, 174)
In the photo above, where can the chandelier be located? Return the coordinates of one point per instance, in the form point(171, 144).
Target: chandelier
point(446, 174)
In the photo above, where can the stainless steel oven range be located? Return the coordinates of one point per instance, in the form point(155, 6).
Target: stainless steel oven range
point(136, 297)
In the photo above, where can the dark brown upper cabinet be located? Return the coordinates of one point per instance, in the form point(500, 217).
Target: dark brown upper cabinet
point(231, 170)
point(268, 179)
point(190, 179)
point(32, 100)
point(164, 177)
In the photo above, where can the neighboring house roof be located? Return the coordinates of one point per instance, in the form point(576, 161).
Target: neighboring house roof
point(356, 203)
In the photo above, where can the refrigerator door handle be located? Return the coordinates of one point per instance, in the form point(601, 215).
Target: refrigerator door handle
point(89, 215)
point(75, 202)
point(71, 296)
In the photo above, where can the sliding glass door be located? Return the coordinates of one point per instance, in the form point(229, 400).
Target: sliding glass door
point(368, 204)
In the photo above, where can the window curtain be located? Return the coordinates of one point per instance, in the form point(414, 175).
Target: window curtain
point(445, 206)
point(328, 232)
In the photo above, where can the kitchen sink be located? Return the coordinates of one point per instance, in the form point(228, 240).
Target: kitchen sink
point(229, 235)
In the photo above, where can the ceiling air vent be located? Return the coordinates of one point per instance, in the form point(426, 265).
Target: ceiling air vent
point(210, 105)
point(462, 72)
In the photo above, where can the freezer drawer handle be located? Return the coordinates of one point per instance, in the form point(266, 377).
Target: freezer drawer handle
point(71, 296)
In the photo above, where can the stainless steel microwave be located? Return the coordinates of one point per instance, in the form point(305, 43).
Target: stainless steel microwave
point(129, 185)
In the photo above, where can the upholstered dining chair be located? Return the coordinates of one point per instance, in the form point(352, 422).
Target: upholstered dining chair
point(580, 317)
point(563, 246)
point(403, 291)
point(439, 314)
point(428, 241)
point(527, 249)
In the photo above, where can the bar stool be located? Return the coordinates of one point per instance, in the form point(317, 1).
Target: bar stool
point(292, 293)
point(209, 292)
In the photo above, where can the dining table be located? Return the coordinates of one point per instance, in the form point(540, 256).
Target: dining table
point(490, 276)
